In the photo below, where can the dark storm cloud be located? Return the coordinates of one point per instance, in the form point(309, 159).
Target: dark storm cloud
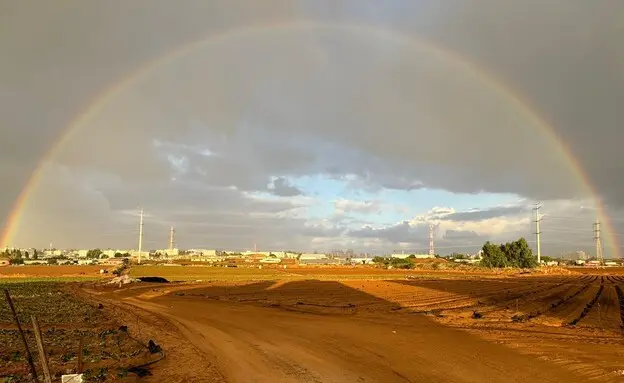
point(283, 188)
point(459, 235)
point(401, 232)
point(370, 107)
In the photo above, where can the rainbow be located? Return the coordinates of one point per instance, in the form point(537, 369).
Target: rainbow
point(104, 97)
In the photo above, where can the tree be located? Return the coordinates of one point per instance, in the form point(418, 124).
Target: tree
point(457, 256)
point(519, 254)
point(412, 256)
point(378, 259)
point(493, 256)
point(94, 253)
point(511, 254)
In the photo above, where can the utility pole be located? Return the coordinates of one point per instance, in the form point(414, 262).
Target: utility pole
point(537, 221)
point(431, 248)
point(171, 235)
point(140, 236)
point(598, 241)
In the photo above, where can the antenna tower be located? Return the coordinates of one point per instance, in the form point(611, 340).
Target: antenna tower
point(140, 236)
point(431, 248)
point(171, 238)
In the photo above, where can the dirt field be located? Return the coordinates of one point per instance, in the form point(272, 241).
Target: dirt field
point(318, 324)
point(41, 272)
point(272, 272)
point(312, 325)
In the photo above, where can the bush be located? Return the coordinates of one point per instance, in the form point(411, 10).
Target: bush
point(516, 254)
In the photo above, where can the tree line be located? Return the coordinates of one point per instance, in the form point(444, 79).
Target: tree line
point(516, 254)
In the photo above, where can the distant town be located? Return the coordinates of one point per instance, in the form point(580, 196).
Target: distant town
point(32, 256)
point(52, 256)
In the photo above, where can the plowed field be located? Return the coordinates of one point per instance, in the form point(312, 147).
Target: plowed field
point(416, 328)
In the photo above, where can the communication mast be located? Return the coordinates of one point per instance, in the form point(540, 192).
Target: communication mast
point(431, 247)
point(171, 238)
point(140, 236)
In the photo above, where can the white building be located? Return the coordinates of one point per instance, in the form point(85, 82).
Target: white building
point(203, 252)
point(407, 255)
point(270, 260)
point(611, 263)
point(108, 253)
point(81, 253)
point(308, 256)
point(144, 254)
point(168, 252)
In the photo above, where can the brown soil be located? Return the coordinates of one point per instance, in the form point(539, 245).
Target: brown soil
point(52, 271)
point(375, 330)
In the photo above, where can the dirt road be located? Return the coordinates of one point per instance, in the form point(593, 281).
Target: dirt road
point(247, 343)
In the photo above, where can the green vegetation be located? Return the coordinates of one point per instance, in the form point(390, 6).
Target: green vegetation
point(108, 347)
point(515, 254)
point(397, 263)
point(15, 256)
point(94, 253)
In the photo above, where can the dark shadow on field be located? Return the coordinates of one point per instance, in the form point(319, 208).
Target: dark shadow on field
point(309, 296)
point(325, 315)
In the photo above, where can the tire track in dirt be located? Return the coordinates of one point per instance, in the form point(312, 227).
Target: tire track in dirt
point(495, 300)
point(562, 307)
point(553, 306)
point(528, 297)
point(539, 298)
point(425, 298)
point(590, 304)
point(620, 296)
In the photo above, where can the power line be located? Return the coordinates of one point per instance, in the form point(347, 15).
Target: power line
point(598, 242)
point(548, 216)
point(537, 232)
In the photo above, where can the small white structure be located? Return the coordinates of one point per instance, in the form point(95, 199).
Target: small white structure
point(35, 262)
point(408, 255)
point(611, 263)
point(144, 254)
point(81, 253)
point(362, 261)
point(270, 260)
point(551, 263)
point(309, 256)
point(72, 378)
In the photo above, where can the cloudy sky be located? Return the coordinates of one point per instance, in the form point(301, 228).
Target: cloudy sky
point(311, 125)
